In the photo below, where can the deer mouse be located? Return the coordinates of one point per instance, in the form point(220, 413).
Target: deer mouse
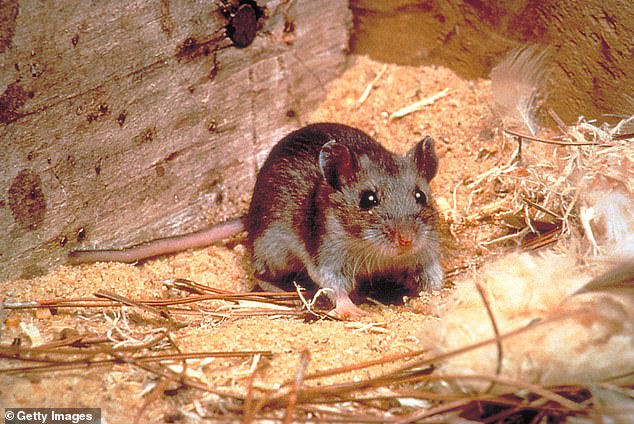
point(333, 206)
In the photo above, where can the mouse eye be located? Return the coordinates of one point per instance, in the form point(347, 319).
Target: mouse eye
point(421, 198)
point(368, 200)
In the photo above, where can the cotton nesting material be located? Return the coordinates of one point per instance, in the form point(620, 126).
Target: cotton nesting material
point(594, 343)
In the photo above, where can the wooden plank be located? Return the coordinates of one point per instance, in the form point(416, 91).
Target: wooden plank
point(110, 137)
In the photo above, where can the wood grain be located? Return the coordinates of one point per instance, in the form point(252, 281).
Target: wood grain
point(111, 137)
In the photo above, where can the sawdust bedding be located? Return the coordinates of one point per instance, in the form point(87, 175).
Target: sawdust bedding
point(469, 143)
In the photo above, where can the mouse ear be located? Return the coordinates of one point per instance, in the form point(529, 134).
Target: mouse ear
point(337, 163)
point(424, 155)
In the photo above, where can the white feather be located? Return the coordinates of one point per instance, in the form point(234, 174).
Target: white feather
point(517, 87)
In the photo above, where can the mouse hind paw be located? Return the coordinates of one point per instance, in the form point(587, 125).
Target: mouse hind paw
point(345, 309)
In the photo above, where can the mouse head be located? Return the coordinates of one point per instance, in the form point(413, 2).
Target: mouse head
point(381, 202)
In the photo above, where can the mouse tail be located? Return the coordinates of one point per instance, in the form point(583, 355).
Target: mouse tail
point(159, 247)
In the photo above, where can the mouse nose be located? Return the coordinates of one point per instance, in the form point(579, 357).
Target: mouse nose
point(403, 238)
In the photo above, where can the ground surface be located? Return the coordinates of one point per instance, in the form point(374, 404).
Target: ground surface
point(468, 143)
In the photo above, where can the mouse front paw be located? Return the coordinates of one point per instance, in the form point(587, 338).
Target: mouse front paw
point(430, 278)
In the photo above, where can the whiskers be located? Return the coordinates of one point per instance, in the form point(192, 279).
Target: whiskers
point(377, 252)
